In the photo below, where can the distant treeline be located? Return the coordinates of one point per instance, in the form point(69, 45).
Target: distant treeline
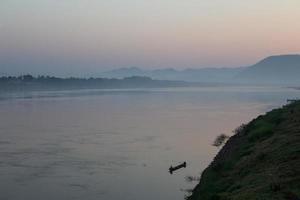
point(29, 82)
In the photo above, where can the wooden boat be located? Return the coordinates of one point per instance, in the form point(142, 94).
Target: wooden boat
point(172, 169)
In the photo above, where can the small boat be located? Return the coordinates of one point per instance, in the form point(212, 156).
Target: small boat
point(172, 169)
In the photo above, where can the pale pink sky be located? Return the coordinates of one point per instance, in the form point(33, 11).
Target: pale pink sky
point(65, 35)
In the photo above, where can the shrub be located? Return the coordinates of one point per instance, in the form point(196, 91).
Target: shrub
point(261, 131)
point(239, 129)
point(220, 140)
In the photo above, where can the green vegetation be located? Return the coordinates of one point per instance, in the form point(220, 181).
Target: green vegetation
point(220, 140)
point(261, 161)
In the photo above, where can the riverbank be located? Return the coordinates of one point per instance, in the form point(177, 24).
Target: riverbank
point(261, 161)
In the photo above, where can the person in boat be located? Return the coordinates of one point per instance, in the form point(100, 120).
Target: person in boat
point(172, 169)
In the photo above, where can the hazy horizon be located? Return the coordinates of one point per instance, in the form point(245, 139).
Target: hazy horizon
point(71, 38)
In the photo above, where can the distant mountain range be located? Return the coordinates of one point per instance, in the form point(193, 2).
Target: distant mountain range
point(282, 69)
point(274, 70)
point(215, 75)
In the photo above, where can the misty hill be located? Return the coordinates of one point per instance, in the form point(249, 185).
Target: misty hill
point(215, 75)
point(28, 82)
point(261, 161)
point(280, 70)
point(283, 69)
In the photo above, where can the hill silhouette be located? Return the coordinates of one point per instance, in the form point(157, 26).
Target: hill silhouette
point(282, 69)
point(211, 75)
point(261, 161)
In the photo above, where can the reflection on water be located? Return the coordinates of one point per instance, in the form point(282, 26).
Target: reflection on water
point(118, 144)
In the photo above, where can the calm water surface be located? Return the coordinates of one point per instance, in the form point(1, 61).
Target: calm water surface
point(118, 144)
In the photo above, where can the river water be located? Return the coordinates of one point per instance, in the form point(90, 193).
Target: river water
point(118, 144)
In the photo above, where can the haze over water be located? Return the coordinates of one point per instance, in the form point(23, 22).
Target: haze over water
point(118, 144)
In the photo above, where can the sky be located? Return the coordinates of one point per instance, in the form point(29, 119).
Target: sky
point(77, 37)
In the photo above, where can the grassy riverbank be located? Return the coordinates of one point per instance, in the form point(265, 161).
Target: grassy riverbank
point(261, 161)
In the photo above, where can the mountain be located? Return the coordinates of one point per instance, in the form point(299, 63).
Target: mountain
point(261, 161)
point(215, 75)
point(282, 69)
